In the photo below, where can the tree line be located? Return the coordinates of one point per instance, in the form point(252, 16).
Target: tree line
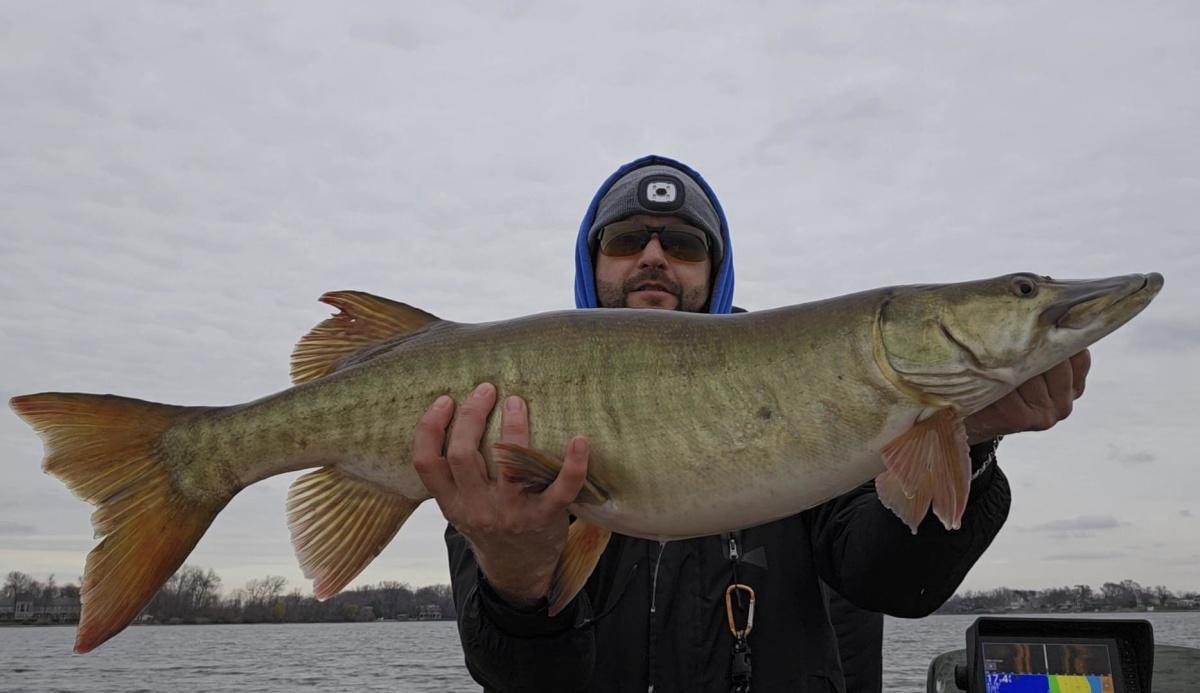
point(1112, 596)
point(193, 595)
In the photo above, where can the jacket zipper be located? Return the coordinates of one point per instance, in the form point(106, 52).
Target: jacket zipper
point(654, 583)
point(653, 605)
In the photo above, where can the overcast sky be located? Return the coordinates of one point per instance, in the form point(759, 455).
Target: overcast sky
point(180, 181)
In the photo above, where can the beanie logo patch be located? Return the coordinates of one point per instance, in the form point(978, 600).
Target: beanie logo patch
point(660, 193)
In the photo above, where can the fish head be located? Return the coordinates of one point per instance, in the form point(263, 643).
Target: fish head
point(966, 345)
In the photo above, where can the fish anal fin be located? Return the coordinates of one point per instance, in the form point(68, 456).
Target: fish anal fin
point(536, 470)
point(364, 321)
point(339, 524)
point(585, 544)
point(929, 466)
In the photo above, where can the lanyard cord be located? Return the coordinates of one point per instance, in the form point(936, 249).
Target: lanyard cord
point(739, 669)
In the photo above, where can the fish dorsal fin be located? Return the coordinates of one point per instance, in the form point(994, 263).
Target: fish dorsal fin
point(339, 524)
point(928, 465)
point(364, 321)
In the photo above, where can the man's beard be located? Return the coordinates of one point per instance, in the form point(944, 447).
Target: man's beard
point(612, 296)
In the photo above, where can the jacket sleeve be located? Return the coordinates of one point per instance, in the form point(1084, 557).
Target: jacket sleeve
point(868, 555)
point(511, 649)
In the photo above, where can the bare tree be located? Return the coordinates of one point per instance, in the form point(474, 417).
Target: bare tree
point(17, 583)
point(261, 597)
point(50, 589)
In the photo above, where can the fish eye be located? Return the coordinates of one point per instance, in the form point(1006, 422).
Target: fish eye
point(1023, 286)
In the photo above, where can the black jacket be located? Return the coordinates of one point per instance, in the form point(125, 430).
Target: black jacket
point(860, 643)
point(652, 617)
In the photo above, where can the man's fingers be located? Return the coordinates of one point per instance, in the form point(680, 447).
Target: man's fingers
point(428, 440)
point(514, 429)
point(1043, 412)
point(462, 453)
point(1081, 363)
point(1061, 389)
point(570, 479)
point(514, 422)
point(1035, 394)
point(1000, 418)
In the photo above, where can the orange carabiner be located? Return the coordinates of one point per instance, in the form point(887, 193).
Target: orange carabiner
point(729, 610)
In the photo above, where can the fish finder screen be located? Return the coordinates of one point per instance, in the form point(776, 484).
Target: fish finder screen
point(1048, 667)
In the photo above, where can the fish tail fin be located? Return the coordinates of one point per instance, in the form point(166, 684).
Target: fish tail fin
point(108, 450)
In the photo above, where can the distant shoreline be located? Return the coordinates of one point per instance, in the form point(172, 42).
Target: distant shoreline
point(32, 624)
point(1016, 612)
point(1052, 612)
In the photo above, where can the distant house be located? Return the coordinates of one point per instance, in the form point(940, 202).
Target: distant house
point(20, 609)
point(429, 612)
point(1182, 603)
point(59, 610)
point(27, 609)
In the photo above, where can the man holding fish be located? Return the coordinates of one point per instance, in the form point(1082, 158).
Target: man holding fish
point(669, 616)
point(697, 425)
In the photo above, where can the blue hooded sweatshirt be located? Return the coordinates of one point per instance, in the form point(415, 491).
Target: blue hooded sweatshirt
point(721, 299)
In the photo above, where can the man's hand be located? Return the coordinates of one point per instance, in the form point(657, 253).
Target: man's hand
point(517, 535)
point(1036, 405)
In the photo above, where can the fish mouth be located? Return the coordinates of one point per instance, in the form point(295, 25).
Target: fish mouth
point(1113, 300)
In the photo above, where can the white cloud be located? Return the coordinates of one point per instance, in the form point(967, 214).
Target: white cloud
point(1085, 523)
point(1133, 458)
point(15, 528)
point(1072, 556)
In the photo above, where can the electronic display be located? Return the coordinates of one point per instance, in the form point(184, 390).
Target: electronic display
point(1069, 665)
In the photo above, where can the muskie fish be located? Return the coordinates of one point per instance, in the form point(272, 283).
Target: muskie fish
point(698, 423)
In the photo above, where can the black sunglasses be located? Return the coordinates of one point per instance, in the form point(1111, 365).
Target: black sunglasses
point(680, 241)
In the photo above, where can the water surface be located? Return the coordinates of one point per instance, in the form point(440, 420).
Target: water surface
point(416, 657)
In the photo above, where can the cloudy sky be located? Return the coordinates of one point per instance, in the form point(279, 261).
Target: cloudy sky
point(180, 181)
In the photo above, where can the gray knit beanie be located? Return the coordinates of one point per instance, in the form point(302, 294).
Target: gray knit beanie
point(659, 189)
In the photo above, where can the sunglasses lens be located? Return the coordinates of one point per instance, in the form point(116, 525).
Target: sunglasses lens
point(623, 239)
point(684, 243)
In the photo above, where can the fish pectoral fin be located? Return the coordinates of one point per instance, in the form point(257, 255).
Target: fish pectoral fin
point(585, 543)
point(363, 322)
point(929, 465)
point(536, 470)
point(909, 507)
point(339, 524)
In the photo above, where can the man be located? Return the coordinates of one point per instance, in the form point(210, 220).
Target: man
point(654, 616)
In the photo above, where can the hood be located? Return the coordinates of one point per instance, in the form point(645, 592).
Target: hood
point(721, 299)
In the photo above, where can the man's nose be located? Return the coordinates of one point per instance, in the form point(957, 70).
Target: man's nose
point(653, 254)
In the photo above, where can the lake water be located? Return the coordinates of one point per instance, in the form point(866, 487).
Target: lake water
point(415, 656)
